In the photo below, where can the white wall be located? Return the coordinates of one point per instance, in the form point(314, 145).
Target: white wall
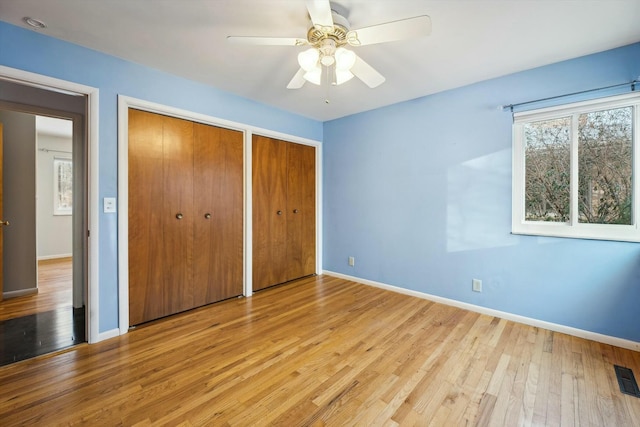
point(54, 231)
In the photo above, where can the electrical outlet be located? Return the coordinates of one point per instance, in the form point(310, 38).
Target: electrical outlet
point(476, 285)
point(352, 261)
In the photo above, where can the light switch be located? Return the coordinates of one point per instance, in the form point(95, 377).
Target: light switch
point(109, 204)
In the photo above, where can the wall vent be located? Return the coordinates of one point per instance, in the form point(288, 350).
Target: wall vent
point(627, 381)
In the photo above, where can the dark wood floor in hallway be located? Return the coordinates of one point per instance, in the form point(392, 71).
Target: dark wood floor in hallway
point(325, 351)
point(38, 324)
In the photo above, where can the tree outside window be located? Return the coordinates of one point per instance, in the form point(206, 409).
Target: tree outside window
point(605, 161)
point(62, 186)
point(574, 170)
point(547, 175)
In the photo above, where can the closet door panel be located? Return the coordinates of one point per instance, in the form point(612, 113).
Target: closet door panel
point(309, 212)
point(178, 214)
point(146, 229)
point(218, 206)
point(269, 177)
point(301, 210)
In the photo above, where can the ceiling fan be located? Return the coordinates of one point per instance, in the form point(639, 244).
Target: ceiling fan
point(327, 37)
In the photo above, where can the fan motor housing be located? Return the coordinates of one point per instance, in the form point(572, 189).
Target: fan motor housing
point(338, 32)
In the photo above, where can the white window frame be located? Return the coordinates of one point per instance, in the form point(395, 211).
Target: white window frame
point(57, 210)
point(573, 228)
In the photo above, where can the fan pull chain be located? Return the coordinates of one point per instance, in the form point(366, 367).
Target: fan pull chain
point(328, 78)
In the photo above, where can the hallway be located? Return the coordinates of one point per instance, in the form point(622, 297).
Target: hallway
point(45, 322)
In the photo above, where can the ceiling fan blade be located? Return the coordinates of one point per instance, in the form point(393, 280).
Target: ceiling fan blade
point(367, 73)
point(298, 80)
point(403, 29)
point(320, 13)
point(267, 41)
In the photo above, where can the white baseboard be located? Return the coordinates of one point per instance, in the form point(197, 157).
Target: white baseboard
point(605, 339)
point(106, 335)
point(19, 293)
point(45, 257)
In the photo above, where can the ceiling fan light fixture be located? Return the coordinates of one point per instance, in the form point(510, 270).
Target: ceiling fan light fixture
point(327, 50)
point(308, 59)
point(327, 60)
point(314, 75)
point(345, 59)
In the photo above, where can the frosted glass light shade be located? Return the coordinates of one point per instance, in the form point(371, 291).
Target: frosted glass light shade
point(314, 75)
point(308, 59)
point(327, 60)
point(313, 63)
point(344, 59)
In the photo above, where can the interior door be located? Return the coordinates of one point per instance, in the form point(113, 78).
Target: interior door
point(269, 177)
point(179, 216)
point(2, 221)
point(301, 211)
point(160, 216)
point(218, 213)
point(146, 231)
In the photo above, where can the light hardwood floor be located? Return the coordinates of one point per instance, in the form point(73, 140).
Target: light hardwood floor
point(54, 291)
point(325, 351)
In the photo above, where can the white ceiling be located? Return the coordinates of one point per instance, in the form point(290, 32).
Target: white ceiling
point(54, 127)
point(470, 41)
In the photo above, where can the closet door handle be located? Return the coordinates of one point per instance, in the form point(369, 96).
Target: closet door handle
point(5, 223)
point(279, 212)
point(207, 215)
point(295, 211)
point(179, 216)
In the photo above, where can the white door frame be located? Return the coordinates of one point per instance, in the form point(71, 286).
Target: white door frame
point(57, 85)
point(126, 102)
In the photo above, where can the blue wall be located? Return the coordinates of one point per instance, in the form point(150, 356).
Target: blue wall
point(27, 50)
point(420, 194)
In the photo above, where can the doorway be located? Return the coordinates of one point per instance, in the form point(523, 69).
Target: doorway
point(34, 322)
point(43, 311)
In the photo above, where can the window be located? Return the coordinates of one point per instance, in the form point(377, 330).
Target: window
point(573, 170)
point(62, 186)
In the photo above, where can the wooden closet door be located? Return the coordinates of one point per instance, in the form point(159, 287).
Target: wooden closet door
point(269, 178)
point(178, 201)
point(160, 191)
point(146, 217)
point(218, 205)
point(301, 211)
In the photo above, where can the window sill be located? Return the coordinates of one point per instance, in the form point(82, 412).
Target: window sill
point(617, 233)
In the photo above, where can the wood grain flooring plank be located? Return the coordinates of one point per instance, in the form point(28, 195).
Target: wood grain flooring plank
point(324, 351)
